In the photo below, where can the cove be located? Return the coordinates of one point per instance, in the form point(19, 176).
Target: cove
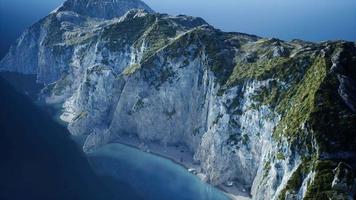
point(150, 176)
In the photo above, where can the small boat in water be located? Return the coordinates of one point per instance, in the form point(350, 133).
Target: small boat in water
point(193, 171)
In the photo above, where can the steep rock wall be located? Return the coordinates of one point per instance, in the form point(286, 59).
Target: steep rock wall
point(277, 117)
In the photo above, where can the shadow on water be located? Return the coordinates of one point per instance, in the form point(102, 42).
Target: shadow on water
point(40, 161)
point(27, 84)
point(24, 84)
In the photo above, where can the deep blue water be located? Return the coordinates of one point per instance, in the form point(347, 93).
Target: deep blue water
point(152, 177)
point(313, 20)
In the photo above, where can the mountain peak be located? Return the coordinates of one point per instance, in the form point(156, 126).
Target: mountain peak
point(106, 9)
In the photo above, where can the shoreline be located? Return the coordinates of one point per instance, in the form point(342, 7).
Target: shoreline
point(181, 156)
point(236, 192)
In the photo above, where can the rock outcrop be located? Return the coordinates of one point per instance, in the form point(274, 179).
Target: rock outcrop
point(106, 9)
point(275, 116)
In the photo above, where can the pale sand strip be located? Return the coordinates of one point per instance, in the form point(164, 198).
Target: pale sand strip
point(180, 155)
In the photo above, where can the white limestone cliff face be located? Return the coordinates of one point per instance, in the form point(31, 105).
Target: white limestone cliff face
point(179, 104)
point(166, 79)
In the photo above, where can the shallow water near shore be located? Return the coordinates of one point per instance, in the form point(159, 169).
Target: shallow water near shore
point(151, 177)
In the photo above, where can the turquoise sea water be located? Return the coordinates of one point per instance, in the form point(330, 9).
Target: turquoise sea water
point(150, 176)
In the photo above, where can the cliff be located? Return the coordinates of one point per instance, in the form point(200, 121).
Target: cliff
point(275, 116)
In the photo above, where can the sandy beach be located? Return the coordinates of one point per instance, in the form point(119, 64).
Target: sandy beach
point(181, 155)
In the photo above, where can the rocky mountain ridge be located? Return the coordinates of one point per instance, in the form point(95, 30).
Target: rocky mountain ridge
point(280, 113)
point(106, 9)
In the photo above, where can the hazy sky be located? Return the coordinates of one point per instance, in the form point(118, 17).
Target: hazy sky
point(287, 19)
point(313, 20)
